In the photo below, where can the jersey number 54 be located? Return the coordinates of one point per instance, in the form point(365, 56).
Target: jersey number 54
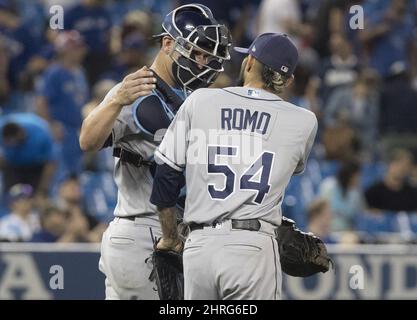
point(261, 167)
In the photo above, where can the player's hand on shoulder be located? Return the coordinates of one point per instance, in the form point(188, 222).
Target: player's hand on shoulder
point(135, 85)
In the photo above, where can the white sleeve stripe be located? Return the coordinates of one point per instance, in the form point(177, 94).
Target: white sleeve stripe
point(167, 161)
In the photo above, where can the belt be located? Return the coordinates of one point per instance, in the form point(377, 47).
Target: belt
point(248, 224)
point(133, 218)
point(133, 158)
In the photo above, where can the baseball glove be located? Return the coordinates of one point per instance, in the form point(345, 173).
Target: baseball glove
point(168, 274)
point(301, 254)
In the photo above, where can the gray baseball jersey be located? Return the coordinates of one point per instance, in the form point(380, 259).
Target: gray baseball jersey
point(134, 184)
point(240, 147)
point(127, 243)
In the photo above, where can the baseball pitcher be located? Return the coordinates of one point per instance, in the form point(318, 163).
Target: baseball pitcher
point(239, 147)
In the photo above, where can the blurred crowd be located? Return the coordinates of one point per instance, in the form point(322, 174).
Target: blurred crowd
point(360, 184)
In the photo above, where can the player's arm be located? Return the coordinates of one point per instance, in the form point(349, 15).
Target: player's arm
point(97, 126)
point(46, 92)
point(167, 186)
point(168, 220)
point(166, 189)
point(376, 29)
point(168, 179)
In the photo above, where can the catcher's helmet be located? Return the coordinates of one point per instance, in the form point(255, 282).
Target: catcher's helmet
point(194, 28)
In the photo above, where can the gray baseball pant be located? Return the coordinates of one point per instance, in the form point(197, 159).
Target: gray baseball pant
point(221, 263)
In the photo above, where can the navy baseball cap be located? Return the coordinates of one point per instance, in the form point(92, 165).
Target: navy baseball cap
point(276, 50)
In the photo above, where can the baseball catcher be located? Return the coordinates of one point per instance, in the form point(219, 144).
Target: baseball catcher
point(131, 120)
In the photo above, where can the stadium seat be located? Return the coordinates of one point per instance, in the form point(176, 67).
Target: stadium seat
point(386, 226)
point(374, 223)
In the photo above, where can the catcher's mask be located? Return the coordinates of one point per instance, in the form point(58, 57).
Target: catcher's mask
point(195, 31)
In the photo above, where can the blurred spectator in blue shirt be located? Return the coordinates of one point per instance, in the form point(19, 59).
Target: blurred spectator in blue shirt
point(33, 13)
point(38, 62)
point(17, 37)
point(358, 104)
point(329, 19)
point(344, 196)
point(82, 226)
point(61, 96)
point(338, 70)
point(59, 225)
point(398, 111)
point(92, 20)
point(139, 24)
point(4, 80)
point(34, 70)
point(131, 57)
point(54, 226)
point(388, 33)
point(53, 223)
point(22, 221)
point(28, 154)
point(154, 8)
